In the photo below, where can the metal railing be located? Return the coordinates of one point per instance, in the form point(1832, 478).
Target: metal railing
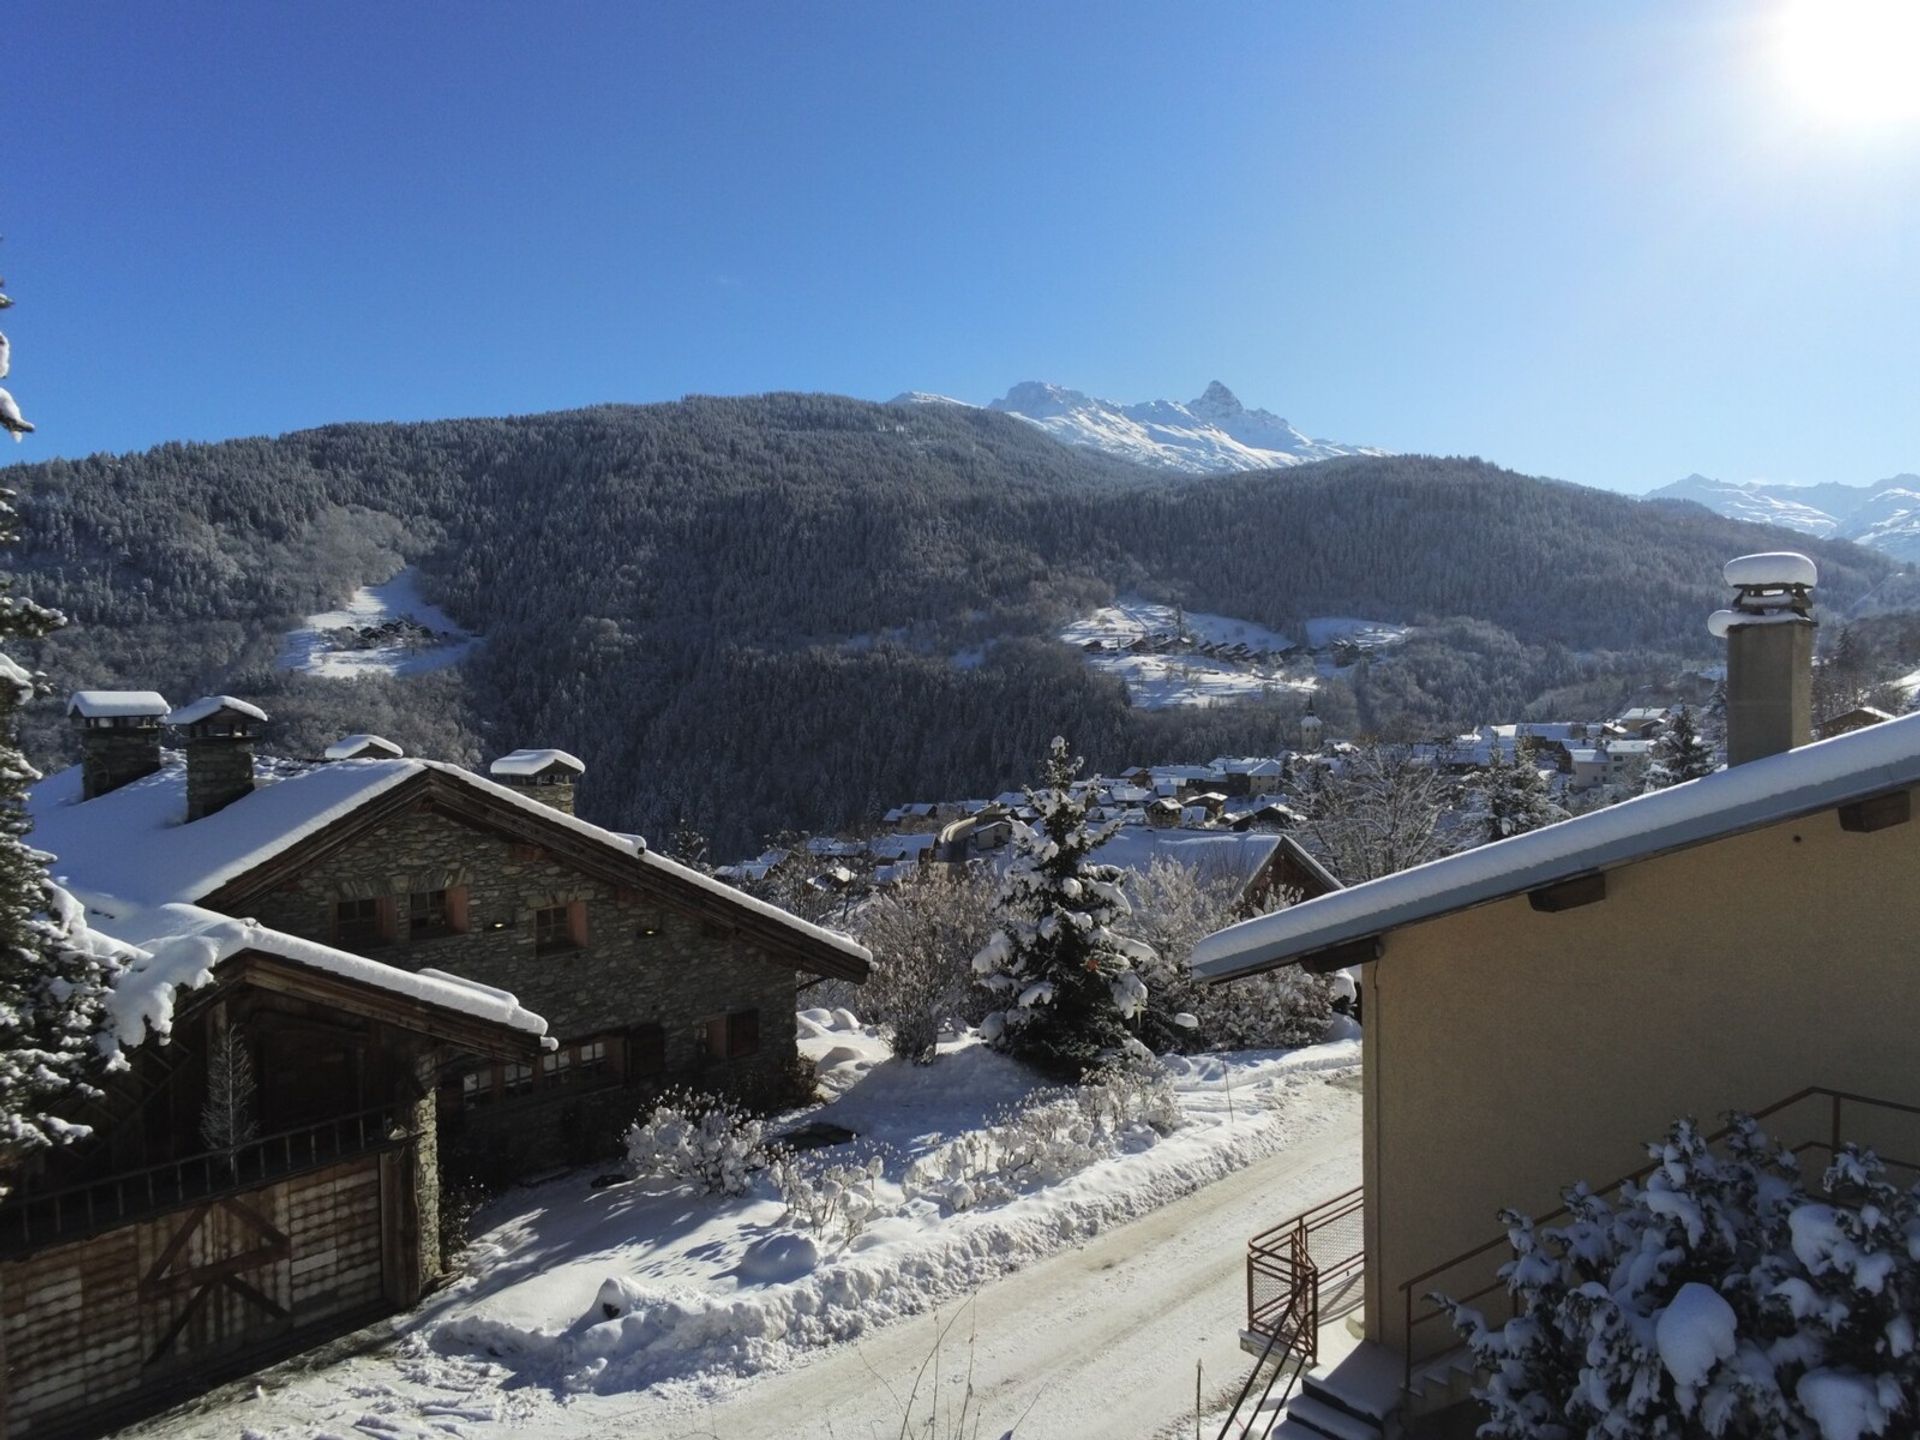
point(31, 1218)
point(1289, 1269)
point(1420, 1289)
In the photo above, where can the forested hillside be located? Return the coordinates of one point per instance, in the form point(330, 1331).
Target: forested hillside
point(747, 611)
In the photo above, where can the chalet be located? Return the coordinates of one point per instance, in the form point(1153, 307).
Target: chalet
point(1257, 867)
point(1540, 1008)
point(648, 972)
point(1847, 721)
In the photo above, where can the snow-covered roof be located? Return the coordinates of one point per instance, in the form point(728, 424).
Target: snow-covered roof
point(349, 747)
point(535, 762)
point(122, 847)
point(1798, 782)
point(177, 948)
point(117, 704)
point(1239, 854)
point(210, 705)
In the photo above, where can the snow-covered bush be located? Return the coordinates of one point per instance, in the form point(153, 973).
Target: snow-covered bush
point(924, 936)
point(828, 1198)
point(1059, 968)
point(1174, 906)
point(1048, 1136)
point(1720, 1298)
point(707, 1139)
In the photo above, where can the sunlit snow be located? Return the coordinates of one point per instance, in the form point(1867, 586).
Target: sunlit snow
point(349, 643)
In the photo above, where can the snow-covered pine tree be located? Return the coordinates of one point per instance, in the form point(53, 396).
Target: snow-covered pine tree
point(1060, 969)
point(1513, 797)
point(226, 1119)
point(52, 984)
point(1681, 753)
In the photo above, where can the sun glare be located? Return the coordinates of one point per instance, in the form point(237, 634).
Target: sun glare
point(1854, 61)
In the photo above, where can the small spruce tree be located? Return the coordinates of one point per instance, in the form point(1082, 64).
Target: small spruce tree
point(1059, 967)
point(1681, 753)
point(1513, 797)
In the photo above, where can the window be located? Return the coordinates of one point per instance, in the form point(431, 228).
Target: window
point(560, 927)
point(557, 1068)
point(594, 1057)
point(427, 915)
point(516, 1079)
point(648, 1048)
point(362, 924)
point(731, 1037)
point(476, 1087)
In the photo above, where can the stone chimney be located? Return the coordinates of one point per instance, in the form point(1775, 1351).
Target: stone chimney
point(1769, 634)
point(219, 732)
point(119, 736)
point(363, 747)
point(545, 775)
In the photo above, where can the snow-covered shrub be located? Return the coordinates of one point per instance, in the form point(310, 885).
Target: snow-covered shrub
point(924, 936)
point(1048, 1136)
point(1174, 907)
point(828, 1198)
point(1720, 1298)
point(707, 1139)
point(1060, 970)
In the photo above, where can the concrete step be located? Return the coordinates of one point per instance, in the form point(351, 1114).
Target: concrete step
point(1330, 1422)
point(1365, 1384)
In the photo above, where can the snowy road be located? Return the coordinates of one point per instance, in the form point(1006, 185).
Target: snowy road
point(1099, 1341)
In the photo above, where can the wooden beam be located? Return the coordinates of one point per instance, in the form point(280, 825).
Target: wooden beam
point(1877, 812)
point(1588, 889)
point(1338, 957)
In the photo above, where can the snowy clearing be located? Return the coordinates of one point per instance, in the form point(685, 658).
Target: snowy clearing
point(709, 1295)
point(1180, 674)
point(386, 629)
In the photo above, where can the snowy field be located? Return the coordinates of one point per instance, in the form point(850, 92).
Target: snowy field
point(1192, 677)
point(316, 649)
point(666, 1311)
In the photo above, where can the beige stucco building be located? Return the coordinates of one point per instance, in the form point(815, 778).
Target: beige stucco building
point(1537, 1010)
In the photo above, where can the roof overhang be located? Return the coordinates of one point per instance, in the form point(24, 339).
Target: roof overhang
point(1828, 775)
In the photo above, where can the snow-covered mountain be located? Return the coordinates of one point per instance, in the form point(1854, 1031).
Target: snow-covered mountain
point(1884, 515)
point(1205, 436)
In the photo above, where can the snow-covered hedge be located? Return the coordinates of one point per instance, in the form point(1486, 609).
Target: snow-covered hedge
point(1722, 1298)
point(1048, 1136)
point(829, 1199)
point(706, 1139)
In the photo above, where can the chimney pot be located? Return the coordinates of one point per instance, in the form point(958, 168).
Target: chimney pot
point(1769, 633)
point(544, 775)
point(219, 732)
point(119, 736)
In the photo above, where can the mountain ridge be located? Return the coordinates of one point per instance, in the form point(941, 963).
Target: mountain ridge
point(1882, 515)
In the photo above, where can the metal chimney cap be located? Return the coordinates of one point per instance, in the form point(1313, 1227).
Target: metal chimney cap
point(1771, 569)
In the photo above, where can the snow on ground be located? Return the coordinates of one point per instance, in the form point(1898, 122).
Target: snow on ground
point(1326, 630)
point(1183, 677)
point(316, 646)
point(713, 1295)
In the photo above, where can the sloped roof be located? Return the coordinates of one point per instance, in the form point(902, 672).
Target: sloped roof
point(1745, 797)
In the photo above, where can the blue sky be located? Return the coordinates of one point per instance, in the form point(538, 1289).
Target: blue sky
point(1610, 243)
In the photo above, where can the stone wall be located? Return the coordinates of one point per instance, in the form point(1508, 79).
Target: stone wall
point(643, 964)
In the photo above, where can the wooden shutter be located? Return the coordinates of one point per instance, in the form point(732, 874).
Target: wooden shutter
point(388, 910)
point(646, 1050)
point(743, 1033)
point(577, 922)
point(457, 909)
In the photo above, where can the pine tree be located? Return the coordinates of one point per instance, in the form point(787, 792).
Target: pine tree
point(226, 1119)
point(1514, 797)
point(1061, 971)
point(52, 983)
point(1681, 753)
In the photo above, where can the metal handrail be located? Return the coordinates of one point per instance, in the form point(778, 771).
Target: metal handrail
point(30, 1218)
point(1286, 1337)
point(1837, 1099)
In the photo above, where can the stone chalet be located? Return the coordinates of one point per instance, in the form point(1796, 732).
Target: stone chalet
point(647, 972)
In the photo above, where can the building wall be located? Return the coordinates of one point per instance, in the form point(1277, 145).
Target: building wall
point(644, 964)
point(1511, 1053)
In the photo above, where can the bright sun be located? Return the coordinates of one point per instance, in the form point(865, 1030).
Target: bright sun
point(1854, 61)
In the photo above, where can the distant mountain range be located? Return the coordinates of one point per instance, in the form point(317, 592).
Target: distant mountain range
point(1884, 515)
point(1211, 435)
